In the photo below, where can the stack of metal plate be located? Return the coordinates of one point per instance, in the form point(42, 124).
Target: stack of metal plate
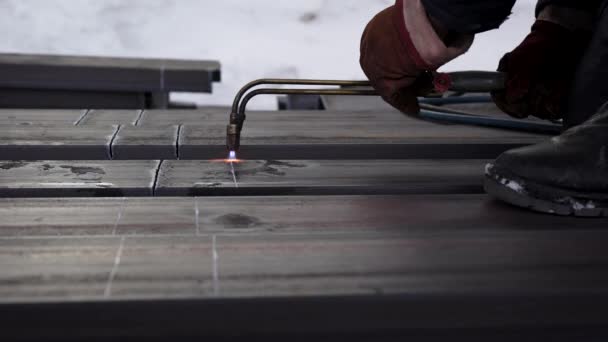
point(61, 81)
point(334, 224)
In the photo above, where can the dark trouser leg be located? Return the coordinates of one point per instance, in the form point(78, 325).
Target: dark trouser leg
point(566, 175)
point(590, 91)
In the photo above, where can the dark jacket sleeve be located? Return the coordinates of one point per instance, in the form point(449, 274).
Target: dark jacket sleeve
point(469, 16)
point(587, 5)
point(475, 16)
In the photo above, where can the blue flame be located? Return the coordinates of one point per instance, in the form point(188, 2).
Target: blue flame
point(232, 155)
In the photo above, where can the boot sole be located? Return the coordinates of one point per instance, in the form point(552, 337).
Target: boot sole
point(543, 198)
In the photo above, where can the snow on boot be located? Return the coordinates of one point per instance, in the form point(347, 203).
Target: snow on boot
point(567, 175)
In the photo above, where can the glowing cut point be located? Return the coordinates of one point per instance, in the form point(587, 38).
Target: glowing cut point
point(232, 155)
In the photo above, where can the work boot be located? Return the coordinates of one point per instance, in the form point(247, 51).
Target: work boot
point(567, 175)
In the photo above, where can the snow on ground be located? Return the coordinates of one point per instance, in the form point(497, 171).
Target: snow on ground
point(252, 39)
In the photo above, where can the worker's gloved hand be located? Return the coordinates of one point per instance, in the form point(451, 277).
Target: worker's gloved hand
point(540, 70)
point(398, 45)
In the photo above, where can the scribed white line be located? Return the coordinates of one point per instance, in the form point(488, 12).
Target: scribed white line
point(96, 236)
point(196, 211)
point(85, 184)
point(215, 257)
point(185, 235)
point(233, 175)
point(119, 216)
point(108, 292)
point(175, 235)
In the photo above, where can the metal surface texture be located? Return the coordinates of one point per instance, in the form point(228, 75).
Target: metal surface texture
point(100, 117)
point(328, 134)
point(77, 178)
point(468, 215)
point(316, 177)
point(351, 135)
point(138, 143)
point(321, 238)
point(62, 142)
point(363, 265)
point(252, 177)
point(32, 117)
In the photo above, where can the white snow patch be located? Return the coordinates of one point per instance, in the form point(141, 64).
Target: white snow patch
point(577, 204)
point(489, 167)
point(513, 185)
point(509, 183)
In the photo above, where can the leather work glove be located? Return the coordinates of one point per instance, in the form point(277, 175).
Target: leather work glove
point(400, 46)
point(539, 72)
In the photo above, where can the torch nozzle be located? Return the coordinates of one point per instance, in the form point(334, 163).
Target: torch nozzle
point(233, 138)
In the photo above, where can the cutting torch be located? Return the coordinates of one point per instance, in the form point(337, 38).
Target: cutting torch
point(459, 82)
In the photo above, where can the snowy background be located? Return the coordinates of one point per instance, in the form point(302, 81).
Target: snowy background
point(252, 39)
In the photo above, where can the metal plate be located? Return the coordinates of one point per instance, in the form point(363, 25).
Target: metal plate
point(161, 117)
point(55, 142)
point(275, 134)
point(380, 263)
point(29, 117)
point(150, 216)
point(141, 143)
point(365, 136)
point(59, 216)
point(74, 178)
point(469, 215)
point(371, 244)
point(273, 177)
point(110, 117)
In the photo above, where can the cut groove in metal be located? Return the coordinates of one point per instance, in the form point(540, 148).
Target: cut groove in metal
point(139, 116)
point(179, 131)
point(84, 114)
point(156, 174)
point(111, 145)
